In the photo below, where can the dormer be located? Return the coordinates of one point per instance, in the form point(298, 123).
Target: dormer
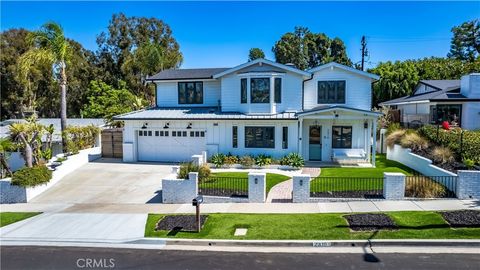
point(262, 87)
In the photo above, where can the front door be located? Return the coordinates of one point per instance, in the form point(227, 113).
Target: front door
point(315, 143)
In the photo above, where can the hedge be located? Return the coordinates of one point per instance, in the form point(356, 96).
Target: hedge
point(465, 146)
point(31, 177)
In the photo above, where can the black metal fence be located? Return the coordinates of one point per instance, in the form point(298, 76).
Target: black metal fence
point(347, 187)
point(224, 186)
point(420, 186)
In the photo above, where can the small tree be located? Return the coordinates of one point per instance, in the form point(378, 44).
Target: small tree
point(28, 137)
point(255, 53)
point(6, 145)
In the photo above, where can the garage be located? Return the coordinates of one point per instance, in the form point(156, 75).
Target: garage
point(170, 145)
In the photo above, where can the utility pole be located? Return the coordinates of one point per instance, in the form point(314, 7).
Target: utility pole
point(364, 51)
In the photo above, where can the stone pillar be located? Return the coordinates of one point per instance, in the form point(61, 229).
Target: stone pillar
point(257, 187)
point(374, 146)
point(197, 160)
point(393, 186)
point(204, 155)
point(180, 190)
point(301, 188)
point(193, 177)
point(468, 185)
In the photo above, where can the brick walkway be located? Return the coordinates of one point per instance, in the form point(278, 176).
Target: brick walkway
point(312, 171)
point(281, 193)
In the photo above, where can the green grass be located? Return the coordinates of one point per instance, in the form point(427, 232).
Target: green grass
point(242, 182)
point(412, 225)
point(7, 218)
point(382, 165)
point(345, 184)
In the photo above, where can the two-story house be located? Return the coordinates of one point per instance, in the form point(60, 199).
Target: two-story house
point(259, 107)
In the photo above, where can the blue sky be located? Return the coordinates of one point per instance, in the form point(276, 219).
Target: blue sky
point(219, 34)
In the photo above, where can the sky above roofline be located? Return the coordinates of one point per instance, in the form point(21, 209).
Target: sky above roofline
point(219, 34)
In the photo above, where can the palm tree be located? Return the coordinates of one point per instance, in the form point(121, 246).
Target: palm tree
point(49, 46)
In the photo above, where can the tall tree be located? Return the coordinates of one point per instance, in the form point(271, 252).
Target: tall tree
point(255, 53)
point(51, 47)
point(127, 36)
point(307, 50)
point(465, 43)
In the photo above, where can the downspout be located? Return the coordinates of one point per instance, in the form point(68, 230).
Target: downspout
point(299, 126)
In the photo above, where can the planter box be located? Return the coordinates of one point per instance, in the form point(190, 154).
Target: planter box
point(418, 163)
point(15, 194)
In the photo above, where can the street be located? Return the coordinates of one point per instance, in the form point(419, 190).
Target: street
point(16, 257)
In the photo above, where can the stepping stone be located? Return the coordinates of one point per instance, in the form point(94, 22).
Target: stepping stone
point(240, 232)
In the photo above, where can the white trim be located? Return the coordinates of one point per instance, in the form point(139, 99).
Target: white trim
point(364, 113)
point(184, 80)
point(264, 61)
point(260, 74)
point(340, 66)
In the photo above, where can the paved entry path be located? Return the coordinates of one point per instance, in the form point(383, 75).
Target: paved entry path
point(312, 171)
point(281, 192)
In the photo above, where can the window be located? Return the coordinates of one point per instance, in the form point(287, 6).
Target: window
point(259, 137)
point(234, 136)
point(260, 90)
point(140, 133)
point(174, 134)
point(190, 93)
point(202, 133)
point(157, 133)
point(161, 133)
point(331, 92)
point(243, 90)
point(278, 90)
point(452, 113)
point(285, 137)
point(184, 134)
point(192, 133)
point(166, 133)
point(341, 137)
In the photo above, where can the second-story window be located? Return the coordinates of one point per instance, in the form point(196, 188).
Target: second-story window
point(243, 90)
point(331, 92)
point(278, 90)
point(190, 93)
point(260, 90)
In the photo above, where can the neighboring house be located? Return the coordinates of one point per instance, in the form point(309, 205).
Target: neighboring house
point(16, 161)
point(259, 107)
point(435, 101)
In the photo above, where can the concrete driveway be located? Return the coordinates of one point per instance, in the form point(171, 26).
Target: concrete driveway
point(109, 181)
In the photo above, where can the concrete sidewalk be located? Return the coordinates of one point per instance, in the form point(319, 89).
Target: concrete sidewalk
point(319, 207)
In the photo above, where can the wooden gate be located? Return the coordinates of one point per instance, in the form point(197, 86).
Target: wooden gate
point(112, 140)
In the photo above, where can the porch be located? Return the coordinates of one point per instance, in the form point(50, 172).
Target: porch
point(335, 135)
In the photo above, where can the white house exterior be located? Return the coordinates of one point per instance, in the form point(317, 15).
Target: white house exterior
point(260, 107)
point(435, 101)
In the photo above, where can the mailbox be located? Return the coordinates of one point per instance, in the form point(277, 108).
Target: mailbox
point(197, 201)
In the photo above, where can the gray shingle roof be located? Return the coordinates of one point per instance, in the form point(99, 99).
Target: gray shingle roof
point(442, 84)
point(199, 113)
point(186, 74)
point(432, 96)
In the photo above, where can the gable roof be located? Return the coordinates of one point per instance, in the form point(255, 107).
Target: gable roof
point(346, 68)
point(186, 74)
point(441, 84)
point(262, 61)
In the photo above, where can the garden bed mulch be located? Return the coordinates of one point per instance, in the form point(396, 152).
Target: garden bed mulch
point(462, 218)
point(370, 222)
point(186, 223)
point(449, 166)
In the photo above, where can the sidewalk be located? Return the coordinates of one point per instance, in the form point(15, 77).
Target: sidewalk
point(319, 207)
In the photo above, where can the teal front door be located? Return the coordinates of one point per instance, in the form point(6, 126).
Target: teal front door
point(315, 143)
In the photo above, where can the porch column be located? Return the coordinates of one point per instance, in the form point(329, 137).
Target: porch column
point(273, 108)
point(374, 143)
point(300, 139)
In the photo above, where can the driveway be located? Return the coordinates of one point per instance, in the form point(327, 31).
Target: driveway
point(109, 181)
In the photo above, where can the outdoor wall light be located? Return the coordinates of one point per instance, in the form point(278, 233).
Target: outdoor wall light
point(189, 126)
point(167, 125)
point(301, 182)
point(256, 180)
point(145, 125)
point(365, 125)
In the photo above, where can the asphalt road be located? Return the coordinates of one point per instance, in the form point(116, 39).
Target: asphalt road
point(103, 258)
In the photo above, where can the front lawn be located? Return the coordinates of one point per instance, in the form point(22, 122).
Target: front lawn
point(224, 180)
point(382, 165)
point(7, 218)
point(411, 225)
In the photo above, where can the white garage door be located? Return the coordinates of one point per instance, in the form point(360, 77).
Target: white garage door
point(170, 145)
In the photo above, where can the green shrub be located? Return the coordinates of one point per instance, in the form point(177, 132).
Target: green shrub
point(263, 160)
point(218, 160)
point(230, 160)
point(452, 139)
point(424, 188)
point(469, 163)
point(414, 141)
point(186, 168)
point(247, 161)
point(293, 159)
point(393, 127)
point(31, 177)
point(79, 138)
